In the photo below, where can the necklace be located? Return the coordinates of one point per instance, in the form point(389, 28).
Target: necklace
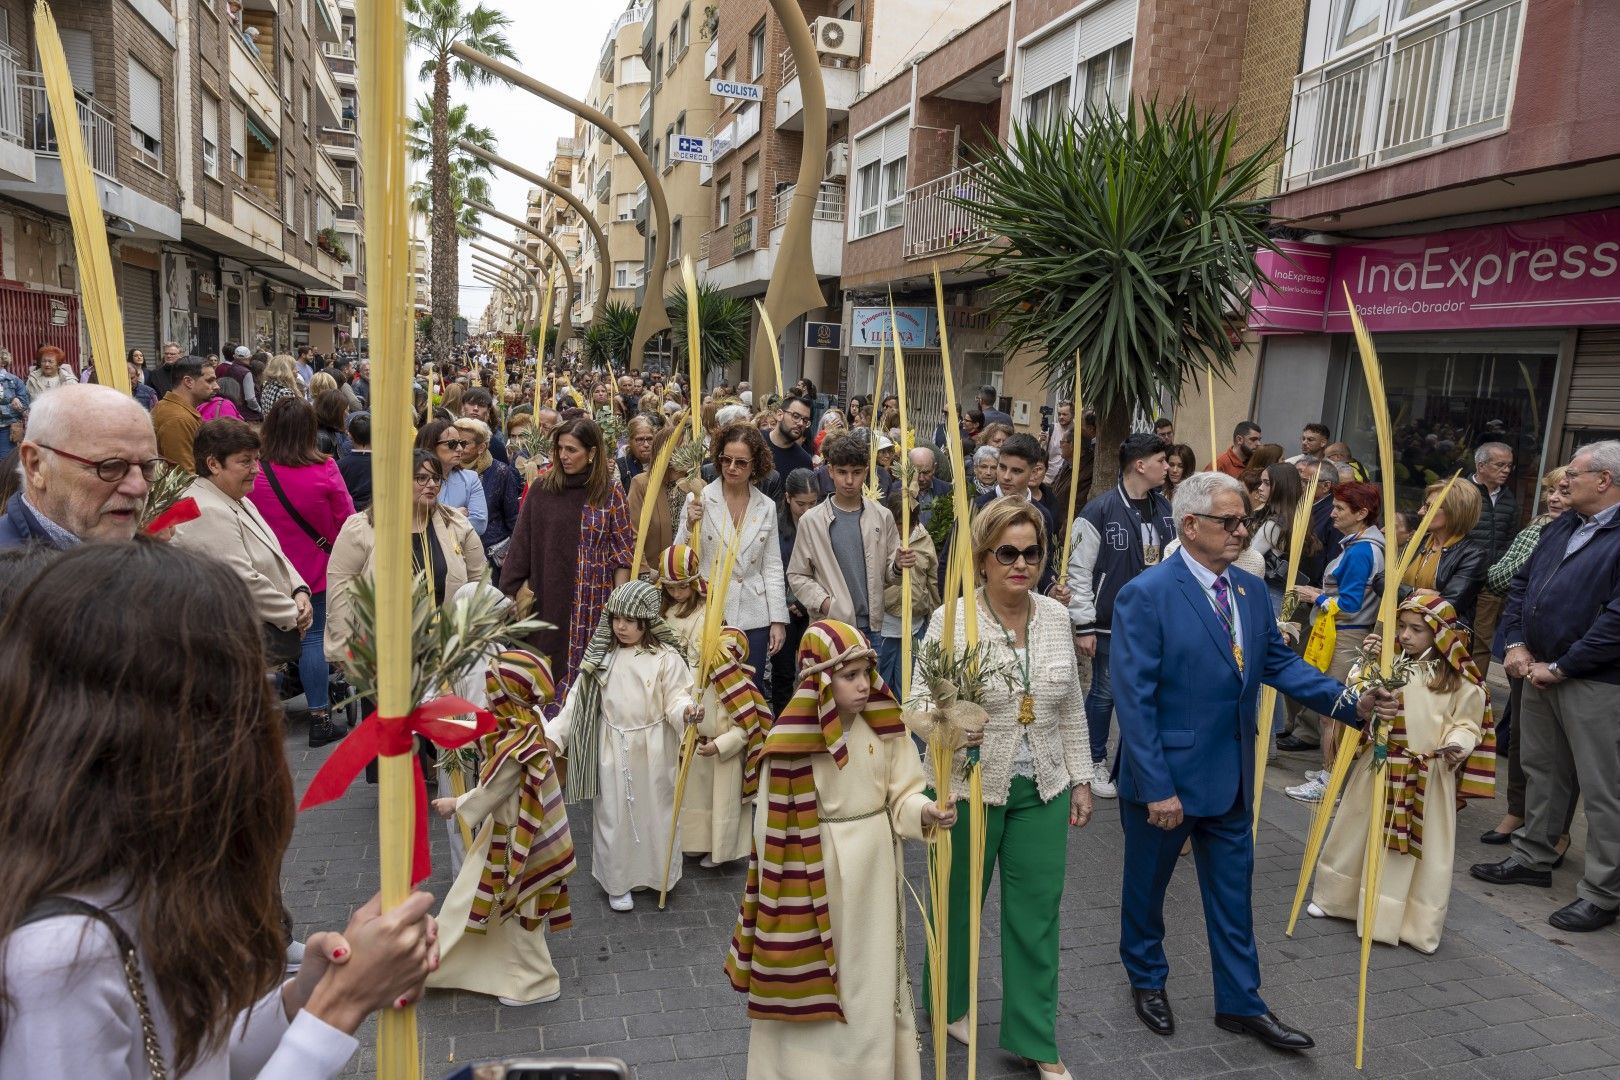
point(1026, 703)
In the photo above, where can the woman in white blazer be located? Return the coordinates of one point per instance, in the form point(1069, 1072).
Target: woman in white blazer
point(756, 598)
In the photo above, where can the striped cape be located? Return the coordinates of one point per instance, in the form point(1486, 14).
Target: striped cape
point(525, 872)
point(782, 951)
point(733, 683)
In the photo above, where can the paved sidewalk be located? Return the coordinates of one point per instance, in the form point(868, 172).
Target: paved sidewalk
point(1499, 1000)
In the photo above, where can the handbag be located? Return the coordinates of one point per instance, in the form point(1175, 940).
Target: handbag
point(51, 907)
point(282, 646)
point(298, 519)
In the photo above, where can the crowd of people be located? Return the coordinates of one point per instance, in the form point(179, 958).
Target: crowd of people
point(1153, 639)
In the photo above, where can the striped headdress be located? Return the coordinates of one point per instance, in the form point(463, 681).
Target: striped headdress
point(678, 565)
point(530, 858)
point(782, 951)
point(1408, 772)
point(635, 599)
point(733, 684)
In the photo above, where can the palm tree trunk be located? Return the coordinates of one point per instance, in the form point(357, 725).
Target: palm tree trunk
point(1113, 425)
point(445, 285)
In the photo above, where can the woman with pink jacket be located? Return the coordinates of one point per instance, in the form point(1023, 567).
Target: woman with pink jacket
point(303, 498)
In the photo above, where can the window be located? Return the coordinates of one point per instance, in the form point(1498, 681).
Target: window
point(289, 200)
point(880, 176)
point(658, 67)
point(1045, 107)
point(1084, 64)
point(238, 143)
point(751, 185)
point(146, 114)
point(632, 69)
point(1108, 79)
point(674, 46)
point(624, 206)
point(756, 52)
point(309, 109)
point(686, 26)
point(669, 143)
point(210, 135)
point(675, 241)
point(626, 275)
point(261, 169)
point(723, 202)
point(309, 215)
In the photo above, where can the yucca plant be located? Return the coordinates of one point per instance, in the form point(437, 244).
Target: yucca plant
point(610, 335)
point(723, 326)
point(1130, 238)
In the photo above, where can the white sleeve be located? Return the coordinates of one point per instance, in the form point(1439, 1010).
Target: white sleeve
point(1082, 560)
point(265, 1046)
point(67, 1018)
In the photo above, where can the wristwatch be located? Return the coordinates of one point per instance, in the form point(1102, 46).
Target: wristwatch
point(302, 589)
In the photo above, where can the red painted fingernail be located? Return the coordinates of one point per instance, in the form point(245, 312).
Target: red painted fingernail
point(401, 1003)
point(338, 954)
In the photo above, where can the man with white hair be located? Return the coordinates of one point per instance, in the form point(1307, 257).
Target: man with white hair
point(1194, 639)
point(1561, 626)
point(1498, 524)
point(87, 459)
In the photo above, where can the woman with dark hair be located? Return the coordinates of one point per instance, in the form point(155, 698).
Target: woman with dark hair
point(800, 494)
point(302, 496)
point(1182, 462)
point(462, 489)
point(332, 424)
point(1275, 525)
point(733, 511)
point(572, 545)
point(1264, 457)
point(170, 847)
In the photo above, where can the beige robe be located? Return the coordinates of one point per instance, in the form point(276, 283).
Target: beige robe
point(644, 701)
point(1414, 892)
point(865, 897)
point(715, 818)
point(506, 961)
point(689, 629)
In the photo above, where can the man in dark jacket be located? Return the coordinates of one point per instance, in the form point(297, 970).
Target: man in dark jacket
point(355, 466)
point(1561, 626)
point(1498, 523)
point(1119, 534)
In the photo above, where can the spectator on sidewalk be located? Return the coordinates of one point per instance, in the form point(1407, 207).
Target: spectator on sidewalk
point(1450, 562)
point(1019, 458)
point(1165, 428)
point(786, 438)
point(479, 404)
point(355, 468)
point(49, 372)
point(1498, 522)
point(1349, 467)
point(1561, 625)
point(1313, 441)
point(162, 378)
point(176, 418)
point(988, 401)
point(1062, 428)
point(1235, 458)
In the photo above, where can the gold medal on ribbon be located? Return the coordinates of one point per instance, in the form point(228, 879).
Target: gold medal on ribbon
point(1237, 654)
point(1150, 555)
point(1026, 709)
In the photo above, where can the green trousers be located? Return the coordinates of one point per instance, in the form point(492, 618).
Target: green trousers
point(1029, 839)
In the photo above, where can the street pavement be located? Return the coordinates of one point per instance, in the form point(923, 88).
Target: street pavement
point(1506, 997)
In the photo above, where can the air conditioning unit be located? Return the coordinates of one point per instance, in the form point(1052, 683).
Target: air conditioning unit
point(836, 37)
point(837, 161)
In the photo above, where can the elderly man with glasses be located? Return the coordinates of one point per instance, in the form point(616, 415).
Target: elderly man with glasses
point(87, 459)
point(1561, 628)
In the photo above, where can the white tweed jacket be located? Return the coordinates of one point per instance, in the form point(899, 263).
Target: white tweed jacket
point(757, 595)
point(1058, 737)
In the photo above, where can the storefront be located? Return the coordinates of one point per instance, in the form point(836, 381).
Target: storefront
point(975, 358)
point(1507, 333)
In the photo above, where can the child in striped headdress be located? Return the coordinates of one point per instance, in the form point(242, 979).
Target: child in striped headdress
point(513, 884)
point(681, 585)
point(819, 945)
point(1441, 748)
point(717, 814)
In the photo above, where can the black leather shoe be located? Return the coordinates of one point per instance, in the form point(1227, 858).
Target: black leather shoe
point(1153, 1009)
point(1494, 837)
point(1511, 872)
point(1267, 1028)
point(1293, 745)
point(322, 731)
point(1582, 917)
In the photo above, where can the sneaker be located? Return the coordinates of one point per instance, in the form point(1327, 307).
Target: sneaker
point(1310, 791)
point(622, 902)
point(1101, 786)
point(1319, 775)
point(516, 1004)
point(295, 957)
point(958, 1029)
point(1315, 911)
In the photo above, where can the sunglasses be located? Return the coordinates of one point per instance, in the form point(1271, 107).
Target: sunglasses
point(736, 462)
point(112, 470)
point(1230, 523)
point(1006, 554)
point(456, 444)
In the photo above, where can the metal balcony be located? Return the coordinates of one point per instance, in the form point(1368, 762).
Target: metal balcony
point(97, 126)
point(934, 224)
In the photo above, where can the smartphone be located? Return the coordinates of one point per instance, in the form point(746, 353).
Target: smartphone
point(551, 1068)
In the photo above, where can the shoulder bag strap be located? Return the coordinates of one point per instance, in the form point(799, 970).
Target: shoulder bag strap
point(298, 519)
point(51, 907)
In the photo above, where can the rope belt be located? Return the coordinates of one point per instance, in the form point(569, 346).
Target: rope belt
point(857, 817)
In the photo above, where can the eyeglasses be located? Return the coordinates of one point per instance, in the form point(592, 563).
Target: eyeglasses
point(428, 480)
point(735, 462)
point(803, 418)
point(1006, 554)
point(113, 470)
point(1572, 471)
point(456, 444)
point(1230, 522)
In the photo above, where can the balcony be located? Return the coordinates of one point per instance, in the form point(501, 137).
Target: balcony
point(340, 61)
point(342, 143)
point(838, 75)
point(251, 83)
point(711, 59)
point(96, 125)
point(830, 202)
point(16, 159)
point(327, 178)
point(329, 108)
point(934, 224)
point(604, 185)
point(1439, 85)
point(743, 126)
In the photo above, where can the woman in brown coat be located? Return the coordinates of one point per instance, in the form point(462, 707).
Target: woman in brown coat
point(661, 526)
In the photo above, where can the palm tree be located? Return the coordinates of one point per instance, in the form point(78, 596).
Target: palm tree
point(433, 26)
point(615, 327)
point(1129, 238)
point(723, 326)
point(469, 174)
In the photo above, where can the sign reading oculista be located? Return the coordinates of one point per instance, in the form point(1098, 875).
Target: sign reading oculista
point(1562, 271)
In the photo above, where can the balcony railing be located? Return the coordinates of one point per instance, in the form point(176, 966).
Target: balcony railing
point(1440, 84)
point(96, 125)
point(934, 224)
point(11, 125)
point(830, 201)
point(790, 66)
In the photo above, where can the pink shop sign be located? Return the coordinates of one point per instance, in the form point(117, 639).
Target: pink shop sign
point(1562, 271)
point(1291, 295)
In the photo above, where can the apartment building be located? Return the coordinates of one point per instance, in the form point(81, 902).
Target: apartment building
point(551, 214)
point(611, 182)
point(1456, 166)
point(202, 120)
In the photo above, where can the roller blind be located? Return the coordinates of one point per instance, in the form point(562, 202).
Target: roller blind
point(896, 138)
point(145, 101)
point(81, 59)
point(1107, 26)
point(869, 149)
point(210, 119)
point(1047, 61)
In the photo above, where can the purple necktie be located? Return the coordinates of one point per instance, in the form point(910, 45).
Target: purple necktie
point(1223, 608)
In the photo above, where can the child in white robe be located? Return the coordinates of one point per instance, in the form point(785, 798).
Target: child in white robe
point(620, 730)
point(682, 589)
point(717, 814)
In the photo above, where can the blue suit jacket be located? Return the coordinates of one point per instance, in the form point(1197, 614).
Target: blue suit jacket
point(1186, 714)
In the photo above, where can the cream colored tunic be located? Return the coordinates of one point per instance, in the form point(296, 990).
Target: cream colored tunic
point(1414, 892)
point(878, 1041)
point(689, 629)
point(506, 961)
point(715, 818)
point(644, 701)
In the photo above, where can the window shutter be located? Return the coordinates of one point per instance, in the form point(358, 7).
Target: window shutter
point(145, 101)
point(1107, 26)
point(1047, 61)
point(869, 149)
point(210, 120)
point(897, 138)
point(238, 131)
point(79, 46)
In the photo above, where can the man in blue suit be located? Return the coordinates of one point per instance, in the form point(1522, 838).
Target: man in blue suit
point(1193, 642)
